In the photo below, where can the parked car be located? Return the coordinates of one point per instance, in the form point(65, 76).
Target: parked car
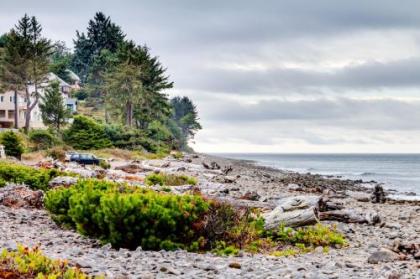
point(84, 159)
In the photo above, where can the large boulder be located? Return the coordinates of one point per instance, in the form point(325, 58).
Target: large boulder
point(65, 181)
point(18, 196)
point(383, 255)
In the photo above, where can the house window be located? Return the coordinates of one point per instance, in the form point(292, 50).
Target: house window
point(11, 114)
point(2, 113)
point(11, 99)
point(1, 98)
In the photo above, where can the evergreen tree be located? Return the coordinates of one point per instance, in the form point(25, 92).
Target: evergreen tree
point(60, 61)
point(186, 116)
point(125, 90)
point(101, 34)
point(36, 52)
point(53, 110)
point(154, 104)
point(13, 68)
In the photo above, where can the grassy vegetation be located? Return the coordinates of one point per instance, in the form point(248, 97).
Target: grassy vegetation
point(34, 178)
point(165, 179)
point(124, 154)
point(31, 263)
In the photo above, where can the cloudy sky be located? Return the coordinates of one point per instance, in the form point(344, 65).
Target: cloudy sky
point(274, 76)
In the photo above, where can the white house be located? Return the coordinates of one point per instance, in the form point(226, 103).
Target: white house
point(7, 105)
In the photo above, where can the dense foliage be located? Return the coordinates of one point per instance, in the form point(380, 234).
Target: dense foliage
point(127, 216)
point(54, 112)
point(32, 263)
point(42, 139)
point(13, 144)
point(35, 178)
point(85, 133)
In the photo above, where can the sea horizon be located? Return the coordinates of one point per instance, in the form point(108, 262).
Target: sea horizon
point(397, 171)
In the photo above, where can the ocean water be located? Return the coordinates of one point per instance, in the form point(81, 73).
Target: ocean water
point(400, 172)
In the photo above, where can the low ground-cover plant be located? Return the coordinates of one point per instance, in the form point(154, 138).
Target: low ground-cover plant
point(167, 179)
point(31, 263)
point(127, 216)
point(34, 178)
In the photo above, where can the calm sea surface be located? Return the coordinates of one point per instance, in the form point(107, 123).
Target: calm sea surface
point(397, 171)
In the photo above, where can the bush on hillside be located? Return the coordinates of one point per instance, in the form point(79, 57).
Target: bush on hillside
point(42, 139)
point(13, 144)
point(128, 216)
point(85, 133)
point(35, 178)
point(164, 179)
point(57, 153)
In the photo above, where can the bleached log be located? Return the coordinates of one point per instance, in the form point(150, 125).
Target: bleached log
point(349, 216)
point(295, 218)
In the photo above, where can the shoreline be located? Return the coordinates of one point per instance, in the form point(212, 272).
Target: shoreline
point(391, 192)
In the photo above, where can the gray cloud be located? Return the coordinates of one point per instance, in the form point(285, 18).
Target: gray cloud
point(198, 40)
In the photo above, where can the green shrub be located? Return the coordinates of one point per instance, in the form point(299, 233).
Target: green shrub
point(34, 178)
point(13, 144)
point(42, 139)
point(128, 216)
point(164, 179)
point(104, 164)
point(31, 263)
point(57, 153)
point(85, 133)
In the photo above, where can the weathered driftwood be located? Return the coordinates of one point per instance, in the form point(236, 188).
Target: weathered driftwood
point(292, 219)
point(378, 195)
point(294, 212)
point(349, 216)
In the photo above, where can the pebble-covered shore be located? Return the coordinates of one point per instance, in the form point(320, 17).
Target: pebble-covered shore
point(401, 222)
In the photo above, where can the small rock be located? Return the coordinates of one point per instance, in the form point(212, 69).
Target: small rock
point(235, 265)
point(383, 255)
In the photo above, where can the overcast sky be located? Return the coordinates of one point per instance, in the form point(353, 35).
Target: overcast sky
point(273, 76)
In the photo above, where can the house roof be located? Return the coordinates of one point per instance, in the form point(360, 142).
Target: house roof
point(53, 77)
point(72, 75)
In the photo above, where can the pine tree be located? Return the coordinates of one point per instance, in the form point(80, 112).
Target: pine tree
point(34, 50)
point(186, 116)
point(53, 110)
point(13, 68)
point(125, 90)
point(101, 34)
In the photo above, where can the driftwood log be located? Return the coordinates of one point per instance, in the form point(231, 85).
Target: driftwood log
point(350, 216)
point(294, 212)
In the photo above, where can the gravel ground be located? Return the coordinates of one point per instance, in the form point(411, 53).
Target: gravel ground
point(402, 222)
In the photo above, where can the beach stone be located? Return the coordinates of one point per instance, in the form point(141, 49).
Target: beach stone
point(65, 181)
point(383, 255)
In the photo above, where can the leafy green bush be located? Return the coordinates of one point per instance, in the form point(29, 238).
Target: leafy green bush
point(57, 153)
point(128, 216)
point(31, 263)
point(169, 179)
point(13, 144)
point(42, 139)
point(104, 164)
point(85, 133)
point(34, 178)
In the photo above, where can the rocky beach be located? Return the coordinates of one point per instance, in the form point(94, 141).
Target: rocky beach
point(383, 235)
